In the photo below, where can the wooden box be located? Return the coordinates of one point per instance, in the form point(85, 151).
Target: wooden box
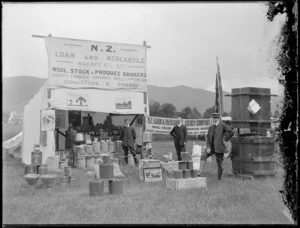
point(178, 184)
point(147, 163)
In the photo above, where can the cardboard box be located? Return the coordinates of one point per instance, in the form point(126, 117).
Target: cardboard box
point(189, 183)
point(147, 163)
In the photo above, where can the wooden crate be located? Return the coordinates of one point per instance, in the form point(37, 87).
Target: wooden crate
point(147, 163)
point(189, 183)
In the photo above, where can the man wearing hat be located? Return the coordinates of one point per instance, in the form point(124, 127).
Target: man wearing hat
point(217, 134)
point(179, 133)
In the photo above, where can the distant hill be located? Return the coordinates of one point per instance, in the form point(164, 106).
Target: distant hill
point(182, 96)
point(17, 92)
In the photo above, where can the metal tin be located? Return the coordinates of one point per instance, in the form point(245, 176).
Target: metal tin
point(36, 157)
point(68, 169)
point(178, 174)
point(181, 165)
point(185, 156)
point(194, 173)
point(96, 187)
point(115, 186)
point(189, 165)
point(42, 169)
point(186, 173)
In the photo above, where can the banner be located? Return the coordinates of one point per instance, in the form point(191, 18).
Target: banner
point(100, 65)
point(160, 125)
point(47, 120)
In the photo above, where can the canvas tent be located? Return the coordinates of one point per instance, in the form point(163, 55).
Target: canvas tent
point(100, 102)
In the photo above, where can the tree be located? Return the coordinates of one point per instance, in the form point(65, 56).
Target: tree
point(208, 112)
point(168, 110)
point(196, 113)
point(155, 109)
point(187, 113)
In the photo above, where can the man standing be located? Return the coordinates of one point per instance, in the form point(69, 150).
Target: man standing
point(128, 136)
point(217, 134)
point(179, 133)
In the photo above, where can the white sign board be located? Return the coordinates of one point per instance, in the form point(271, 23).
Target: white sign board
point(92, 64)
point(160, 125)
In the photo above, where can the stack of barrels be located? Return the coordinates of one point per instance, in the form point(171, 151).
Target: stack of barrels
point(185, 167)
point(96, 186)
point(36, 165)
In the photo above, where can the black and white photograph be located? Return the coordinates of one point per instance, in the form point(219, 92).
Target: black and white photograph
point(203, 94)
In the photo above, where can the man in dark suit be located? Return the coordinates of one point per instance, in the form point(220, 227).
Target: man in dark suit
point(179, 133)
point(128, 136)
point(217, 134)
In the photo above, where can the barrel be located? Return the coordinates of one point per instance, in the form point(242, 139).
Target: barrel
point(106, 171)
point(181, 165)
point(106, 159)
point(178, 174)
point(42, 169)
point(186, 173)
point(89, 149)
point(63, 164)
point(29, 169)
point(96, 148)
point(194, 173)
point(104, 146)
point(115, 186)
point(36, 157)
point(96, 187)
point(189, 165)
point(253, 155)
point(185, 156)
point(64, 180)
point(90, 161)
point(81, 162)
point(111, 147)
point(119, 148)
point(68, 170)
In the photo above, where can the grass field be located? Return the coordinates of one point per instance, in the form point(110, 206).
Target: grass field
point(233, 201)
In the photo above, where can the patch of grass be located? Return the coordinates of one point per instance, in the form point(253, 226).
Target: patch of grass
point(233, 201)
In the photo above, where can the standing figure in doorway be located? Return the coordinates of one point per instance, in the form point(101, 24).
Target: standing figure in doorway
point(217, 134)
point(128, 136)
point(179, 133)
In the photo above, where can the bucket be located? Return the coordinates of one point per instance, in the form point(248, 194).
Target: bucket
point(96, 187)
point(71, 180)
point(186, 173)
point(96, 147)
point(42, 169)
point(115, 186)
point(119, 148)
point(63, 164)
point(178, 174)
point(90, 161)
point(111, 147)
point(106, 171)
point(89, 149)
point(68, 170)
point(36, 157)
point(185, 156)
point(189, 165)
point(104, 146)
point(182, 165)
point(80, 150)
point(194, 173)
point(106, 159)
point(81, 162)
point(64, 180)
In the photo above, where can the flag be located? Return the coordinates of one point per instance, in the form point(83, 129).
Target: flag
point(219, 92)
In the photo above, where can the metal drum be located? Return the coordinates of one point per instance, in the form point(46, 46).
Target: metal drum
point(96, 187)
point(42, 169)
point(119, 148)
point(104, 146)
point(89, 149)
point(115, 186)
point(97, 148)
point(111, 147)
point(36, 157)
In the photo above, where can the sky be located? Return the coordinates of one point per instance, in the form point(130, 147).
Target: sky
point(185, 39)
